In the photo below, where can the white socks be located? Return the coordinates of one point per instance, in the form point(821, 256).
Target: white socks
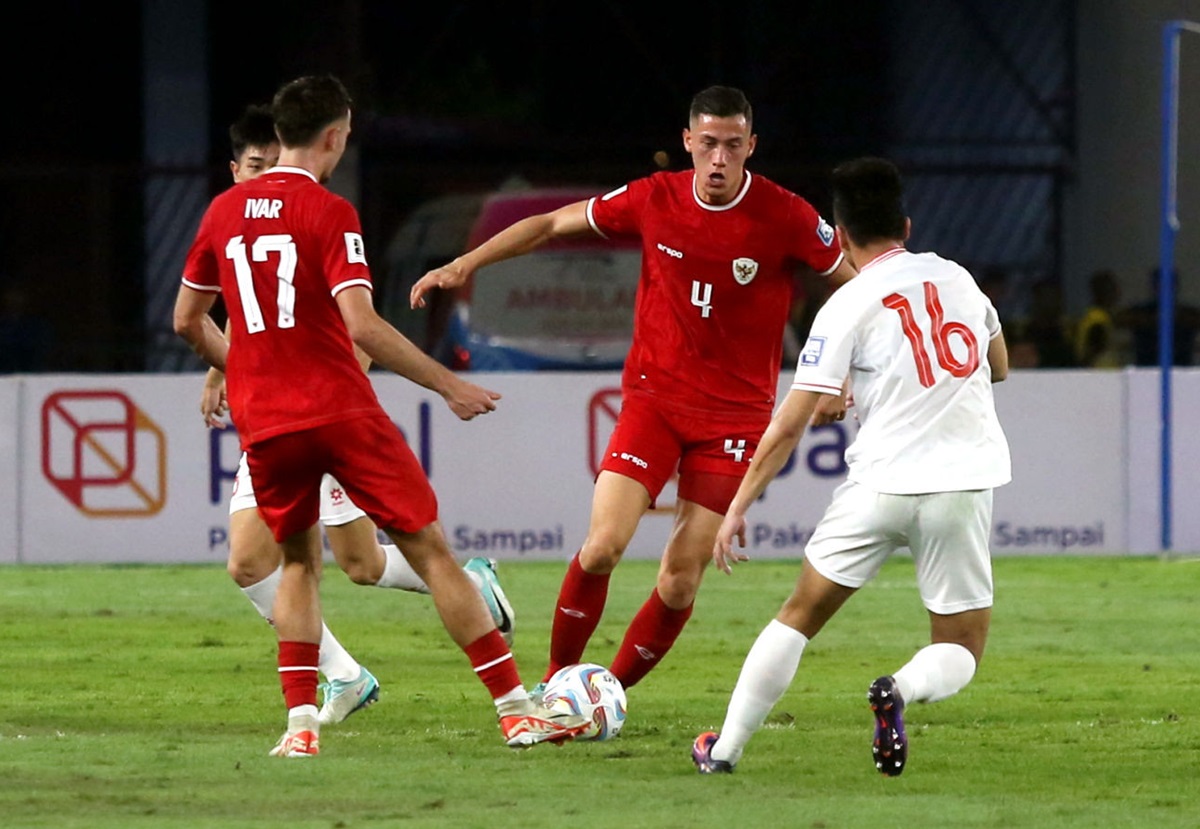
point(398, 573)
point(767, 672)
point(262, 594)
point(935, 672)
point(335, 661)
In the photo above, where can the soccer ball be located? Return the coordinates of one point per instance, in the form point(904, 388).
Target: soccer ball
point(590, 691)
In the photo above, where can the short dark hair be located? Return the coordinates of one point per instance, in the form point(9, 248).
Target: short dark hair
point(254, 128)
point(868, 200)
point(720, 102)
point(307, 105)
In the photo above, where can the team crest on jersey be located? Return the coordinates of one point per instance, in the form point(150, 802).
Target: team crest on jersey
point(824, 232)
point(744, 270)
point(811, 355)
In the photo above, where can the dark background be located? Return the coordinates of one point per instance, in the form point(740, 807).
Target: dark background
point(458, 97)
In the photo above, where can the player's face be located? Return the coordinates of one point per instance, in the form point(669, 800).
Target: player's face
point(254, 162)
point(719, 149)
point(337, 136)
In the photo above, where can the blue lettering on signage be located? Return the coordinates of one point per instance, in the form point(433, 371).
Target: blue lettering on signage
point(218, 471)
point(222, 470)
point(779, 537)
point(824, 460)
point(522, 540)
point(424, 442)
point(217, 537)
point(1062, 537)
point(828, 460)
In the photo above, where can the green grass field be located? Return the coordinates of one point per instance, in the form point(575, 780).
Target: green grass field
point(147, 696)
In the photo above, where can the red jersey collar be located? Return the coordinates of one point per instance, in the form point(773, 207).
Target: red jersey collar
point(719, 207)
point(300, 171)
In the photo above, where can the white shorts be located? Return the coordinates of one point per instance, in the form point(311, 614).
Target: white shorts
point(336, 507)
point(947, 533)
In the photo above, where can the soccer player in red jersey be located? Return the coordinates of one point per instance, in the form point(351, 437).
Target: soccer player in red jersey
point(288, 255)
point(719, 251)
point(255, 559)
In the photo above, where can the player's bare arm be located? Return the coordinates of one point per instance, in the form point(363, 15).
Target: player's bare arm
point(364, 359)
point(521, 237)
point(214, 405)
point(778, 441)
point(831, 407)
point(395, 352)
point(197, 328)
point(997, 354)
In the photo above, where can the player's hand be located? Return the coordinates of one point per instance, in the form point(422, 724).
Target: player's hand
point(831, 408)
point(213, 403)
point(724, 555)
point(467, 400)
point(448, 276)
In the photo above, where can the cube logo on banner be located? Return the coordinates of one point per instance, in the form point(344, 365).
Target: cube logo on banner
point(104, 454)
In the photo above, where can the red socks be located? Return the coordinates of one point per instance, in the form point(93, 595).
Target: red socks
point(298, 672)
point(576, 615)
point(493, 663)
point(650, 635)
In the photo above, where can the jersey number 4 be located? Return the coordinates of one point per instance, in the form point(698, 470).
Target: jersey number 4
point(940, 333)
point(263, 247)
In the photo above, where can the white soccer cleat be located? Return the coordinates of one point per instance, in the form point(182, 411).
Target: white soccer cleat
point(341, 699)
point(482, 571)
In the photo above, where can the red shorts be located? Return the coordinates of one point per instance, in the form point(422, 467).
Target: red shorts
point(710, 450)
point(369, 458)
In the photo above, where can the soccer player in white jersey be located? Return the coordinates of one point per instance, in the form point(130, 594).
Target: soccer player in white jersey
point(921, 346)
point(256, 561)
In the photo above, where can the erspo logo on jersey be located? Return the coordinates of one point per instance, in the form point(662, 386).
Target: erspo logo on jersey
point(104, 454)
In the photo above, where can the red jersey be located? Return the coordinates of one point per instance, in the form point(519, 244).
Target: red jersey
point(716, 285)
point(280, 247)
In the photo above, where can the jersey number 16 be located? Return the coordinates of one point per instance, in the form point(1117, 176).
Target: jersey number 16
point(940, 333)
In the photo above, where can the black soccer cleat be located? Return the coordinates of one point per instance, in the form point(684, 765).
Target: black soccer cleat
point(890, 746)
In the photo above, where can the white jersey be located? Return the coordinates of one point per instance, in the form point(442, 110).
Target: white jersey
point(912, 332)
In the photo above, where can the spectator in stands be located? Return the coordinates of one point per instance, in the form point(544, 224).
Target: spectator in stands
point(1047, 326)
point(994, 283)
point(1141, 320)
point(1096, 335)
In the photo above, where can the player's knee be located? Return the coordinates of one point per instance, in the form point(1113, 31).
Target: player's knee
point(678, 588)
point(247, 571)
point(360, 571)
point(601, 553)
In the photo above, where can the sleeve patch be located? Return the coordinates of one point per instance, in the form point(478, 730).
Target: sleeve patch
point(356, 251)
point(813, 349)
point(824, 232)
